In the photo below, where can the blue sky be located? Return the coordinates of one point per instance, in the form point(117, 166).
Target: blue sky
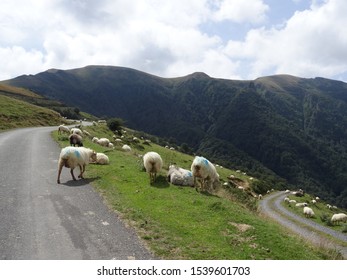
point(232, 39)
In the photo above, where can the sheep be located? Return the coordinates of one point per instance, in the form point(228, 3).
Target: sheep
point(286, 199)
point(126, 148)
point(292, 201)
point(336, 218)
point(260, 196)
point(63, 128)
point(75, 130)
point(95, 139)
point(313, 201)
point(102, 159)
point(153, 164)
point(205, 171)
point(329, 206)
point(85, 132)
point(180, 176)
point(103, 142)
point(303, 204)
point(110, 145)
point(75, 139)
point(71, 157)
point(308, 212)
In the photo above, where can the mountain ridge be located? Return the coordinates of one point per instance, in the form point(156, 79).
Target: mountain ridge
point(276, 127)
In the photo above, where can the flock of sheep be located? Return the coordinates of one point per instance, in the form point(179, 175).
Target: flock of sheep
point(308, 211)
point(203, 173)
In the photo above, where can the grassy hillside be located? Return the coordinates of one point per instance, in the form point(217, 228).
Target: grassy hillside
point(15, 113)
point(180, 223)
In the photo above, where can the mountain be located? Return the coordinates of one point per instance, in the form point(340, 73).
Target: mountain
point(283, 129)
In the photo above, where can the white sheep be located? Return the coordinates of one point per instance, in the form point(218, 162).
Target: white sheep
point(308, 212)
point(260, 196)
point(62, 128)
point(301, 204)
point(313, 201)
point(75, 130)
point(292, 201)
point(103, 142)
point(286, 199)
point(71, 157)
point(126, 148)
point(101, 158)
point(179, 176)
point(110, 145)
point(204, 171)
point(153, 164)
point(95, 139)
point(340, 217)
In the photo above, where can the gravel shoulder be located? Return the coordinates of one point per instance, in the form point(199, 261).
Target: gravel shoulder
point(313, 232)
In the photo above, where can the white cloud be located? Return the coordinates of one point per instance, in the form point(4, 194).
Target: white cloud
point(167, 38)
point(240, 11)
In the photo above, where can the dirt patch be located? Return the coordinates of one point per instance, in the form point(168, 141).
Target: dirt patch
point(242, 227)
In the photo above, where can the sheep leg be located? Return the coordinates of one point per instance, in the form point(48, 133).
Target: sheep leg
point(73, 176)
point(60, 167)
point(82, 169)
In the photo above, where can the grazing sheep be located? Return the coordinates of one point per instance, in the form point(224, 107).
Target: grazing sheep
point(329, 206)
point(102, 159)
point(95, 139)
point(63, 128)
point(103, 142)
point(313, 201)
point(152, 163)
point(85, 132)
point(287, 191)
point(336, 218)
point(308, 212)
point(75, 130)
point(292, 201)
point(111, 145)
point(71, 157)
point(126, 148)
point(286, 199)
point(179, 176)
point(260, 196)
point(204, 171)
point(76, 139)
point(303, 204)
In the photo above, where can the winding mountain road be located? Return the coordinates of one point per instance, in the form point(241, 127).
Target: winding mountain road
point(271, 206)
point(43, 220)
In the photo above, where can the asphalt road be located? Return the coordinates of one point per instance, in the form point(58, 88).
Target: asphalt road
point(271, 206)
point(40, 219)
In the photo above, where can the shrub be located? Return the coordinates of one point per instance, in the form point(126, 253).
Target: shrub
point(115, 124)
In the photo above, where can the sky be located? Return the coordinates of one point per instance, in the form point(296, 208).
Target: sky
point(230, 39)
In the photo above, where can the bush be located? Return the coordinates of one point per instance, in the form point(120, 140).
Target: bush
point(115, 124)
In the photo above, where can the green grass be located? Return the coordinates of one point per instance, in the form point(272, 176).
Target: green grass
point(180, 223)
point(15, 113)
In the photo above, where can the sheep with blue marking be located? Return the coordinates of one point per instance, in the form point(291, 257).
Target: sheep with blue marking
point(71, 157)
point(179, 176)
point(205, 173)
